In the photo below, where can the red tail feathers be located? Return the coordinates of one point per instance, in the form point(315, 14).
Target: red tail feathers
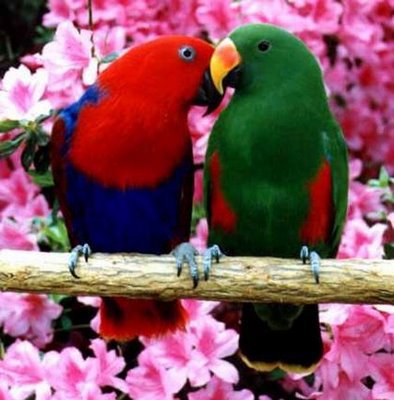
point(123, 319)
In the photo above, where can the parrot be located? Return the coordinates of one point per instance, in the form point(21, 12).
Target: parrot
point(121, 158)
point(275, 181)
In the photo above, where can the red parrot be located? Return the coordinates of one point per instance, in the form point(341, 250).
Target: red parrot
point(122, 163)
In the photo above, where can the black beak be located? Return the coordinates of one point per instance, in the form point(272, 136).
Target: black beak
point(233, 77)
point(207, 94)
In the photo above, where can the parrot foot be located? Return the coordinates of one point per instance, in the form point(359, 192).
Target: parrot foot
point(76, 252)
point(210, 253)
point(314, 259)
point(185, 252)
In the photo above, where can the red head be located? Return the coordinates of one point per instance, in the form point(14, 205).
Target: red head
point(168, 69)
point(137, 133)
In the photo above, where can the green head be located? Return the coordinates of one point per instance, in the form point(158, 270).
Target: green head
point(265, 58)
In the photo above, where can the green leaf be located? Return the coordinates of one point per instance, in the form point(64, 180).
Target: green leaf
point(7, 147)
point(389, 251)
point(41, 159)
point(57, 298)
point(384, 177)
point(277, 374)
point(43, 180)
point(109, 58)
point(9, 124)
point(66, 323)
point(28, 152)
point(42, 137)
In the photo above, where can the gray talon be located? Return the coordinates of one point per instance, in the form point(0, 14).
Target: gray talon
point(304, 254)
point(210, 253)
point(76, 252)
point(315, 265)
point(314, 259)
point(185, 252)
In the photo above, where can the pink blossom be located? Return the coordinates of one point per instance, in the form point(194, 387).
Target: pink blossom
point(89, 391)
point(219, 16)
point(360, 240)
point(151, 381)
point(199, 350)
point(107, 365)
point(68, 58)
point(199, 241)
point(214, 342)
point(198, 309)
point(337, 385)
point(29, 316)
point(381, 370)
point(25, 372)
point(362, 198)
point(5, 393)
point(60, 11)
point(20, 198)
point(334, 314)
point(220, 390)
point(21, 94)
point(72, 376)
point(109, 40)
point(16, 236)
point(345, 364)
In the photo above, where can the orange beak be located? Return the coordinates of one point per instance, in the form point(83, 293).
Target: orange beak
point(224, 59)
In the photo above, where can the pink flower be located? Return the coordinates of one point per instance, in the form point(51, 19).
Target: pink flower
point(220, 17)
point(220, 390)
point(337, 385)
point(25, 372)
point(197, 352)
point(20, 198)
point(214, 342)
point(199, 241)
point(90, 391)
point(29, 316)
point(72, 376)
point(69, 57)
point(107, 365)
point(198, 308)
point(151, 381)
point(60, 11)
point(362, 198)
point(16, 237)
point(381, 370)
point(21, 94)
point(109, 40)
point(360, 240)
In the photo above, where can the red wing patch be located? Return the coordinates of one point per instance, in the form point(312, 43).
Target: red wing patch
point(222, 216)
point(320, 217)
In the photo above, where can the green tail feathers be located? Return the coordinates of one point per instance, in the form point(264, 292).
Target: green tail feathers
point(266, 344)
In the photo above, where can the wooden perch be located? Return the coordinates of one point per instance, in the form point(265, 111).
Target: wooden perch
point(233, 279)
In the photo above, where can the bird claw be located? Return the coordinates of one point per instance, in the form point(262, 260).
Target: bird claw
point(210, 253)
point(314, 259)
point(185, 252)
point(76, 252)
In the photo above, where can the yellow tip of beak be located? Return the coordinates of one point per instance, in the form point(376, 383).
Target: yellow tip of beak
point(224, 59)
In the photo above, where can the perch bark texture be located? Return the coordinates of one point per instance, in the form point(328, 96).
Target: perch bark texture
point(233, 279)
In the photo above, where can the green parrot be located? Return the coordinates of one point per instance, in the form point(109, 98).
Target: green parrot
point(275, 181)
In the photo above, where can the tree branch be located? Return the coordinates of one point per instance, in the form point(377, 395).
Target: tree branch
point(233, 279)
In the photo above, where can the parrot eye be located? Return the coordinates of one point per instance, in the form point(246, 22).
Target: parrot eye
point(187, 53)
point(264, 45)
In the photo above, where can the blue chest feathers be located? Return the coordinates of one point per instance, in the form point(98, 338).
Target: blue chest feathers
point(132, 220)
